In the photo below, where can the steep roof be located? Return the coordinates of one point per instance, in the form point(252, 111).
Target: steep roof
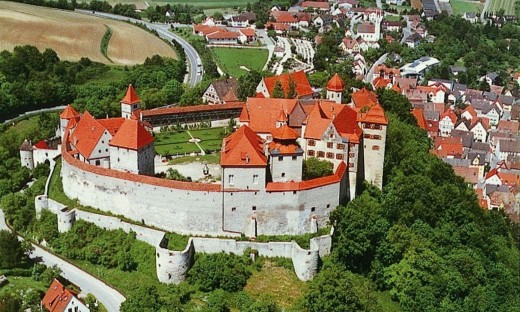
point(346, 124)
point(112, 124)
point(86, 135)
point(41, 145)
point(335, 84)
point(57, 297)
point(69, 113)
point(131, 135)
point(130, 96)
point(264, 112)
point(302, 85)
point(375, 114)
point(223, 87)
point(243, 148)
point(284, 133)
point(26, 146)
point(450, 114)
point(363, 97)
point(418, 114)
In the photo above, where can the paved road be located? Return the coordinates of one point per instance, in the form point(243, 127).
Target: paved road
point(370, 74)
point(195, 69)
point(407, 31)
point(110, 297)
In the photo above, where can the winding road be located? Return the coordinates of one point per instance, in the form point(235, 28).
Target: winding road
point(107, 295)
point(195, 69)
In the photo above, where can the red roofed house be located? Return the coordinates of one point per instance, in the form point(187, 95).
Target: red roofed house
point(132, 149)
point(39, 153)
point(322, 6)
point(286, 156)
point(118, 143)
point(419, 116)
point(60, 299)
point(223, 37)
point(302, 86)
point(247, 35)
point(447, 122)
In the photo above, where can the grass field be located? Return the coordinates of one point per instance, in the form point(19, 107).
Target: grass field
point(462, 6)
point(177, 142)
point(507, 5)
point(230, 60)
point(74, 35)
point(21, 283)
point(277, 282)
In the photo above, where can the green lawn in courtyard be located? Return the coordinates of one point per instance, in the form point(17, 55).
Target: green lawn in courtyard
point(172, 143)
point(230, 60)
point(507, 5)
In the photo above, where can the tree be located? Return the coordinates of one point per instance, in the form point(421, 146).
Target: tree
point(12, 253)
point(213, 271)
point(291, 94)
point(278, 92)
point(144, 299)
point(247, 84)
point(314, 168)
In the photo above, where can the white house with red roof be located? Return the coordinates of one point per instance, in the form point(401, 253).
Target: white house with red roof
point(335, 88)
point(447, 122)
point(60, 299)
point(31, 155)
point(130, 104)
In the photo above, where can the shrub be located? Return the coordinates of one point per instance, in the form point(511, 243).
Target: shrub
point(314, 168)
point(228, 272)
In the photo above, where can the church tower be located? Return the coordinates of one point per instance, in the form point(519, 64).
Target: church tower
point(68, 114)
point(130, 103)
point(335, 88)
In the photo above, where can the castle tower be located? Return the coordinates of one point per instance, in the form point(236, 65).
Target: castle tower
point(335, 88)
point(286, 157)
point(374, 123)
point(68, 114)
point(130, 103)
point(132, 149)
point(26, 154)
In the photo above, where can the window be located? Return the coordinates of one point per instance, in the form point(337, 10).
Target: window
point(294, 192)
point(340, 146)
point(375, 148)
point(294, 157)
point(255, 178)
point(376, 137)
point(99, 151)
point(351, 155)
point(253, 208)
point(98, 162)
point(339, 156)
point(231, 179)
point(351, 145)
point(321, 154)
point(310, 153)
point(330, 155)
point(280, 158)
point(366, 136)
point(331, 135)
point(312, 143)
point(313, 209)
point(330, 145)
point(351, 165)
point(234, 209)
point(269, 137)
point(283, 174)
point(328, 205)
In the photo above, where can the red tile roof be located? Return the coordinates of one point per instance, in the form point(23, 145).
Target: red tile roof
point(206, 30)
point(303, 87)
point(263, 112)
point(418, 114)
point(309, 184)
point(471, 111)
point(69, 113)
point(41, 145)
point(132, 135)
point(335, 84)
point(380, 82)
point(316, 4)
point(130, 96)
point(243, 148)
point(346, 124)
point(190, 109)
point(57, 297)
point(363, 97)
point(508, 126)
point(86, 135)
point(469, 174)
point(223, 35)
point(450, 114)
point(375, 114)
point(284, 17)
point(249, 32)
point(112, 124)
point(320, 118)
point(284, 133)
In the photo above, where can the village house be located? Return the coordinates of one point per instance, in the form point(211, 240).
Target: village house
point(60, 299)
point(221, 92)
point(298, 79)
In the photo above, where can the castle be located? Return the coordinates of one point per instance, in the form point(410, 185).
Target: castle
point(109, 164)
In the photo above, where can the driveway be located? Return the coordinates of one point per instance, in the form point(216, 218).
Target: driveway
point(110, 297)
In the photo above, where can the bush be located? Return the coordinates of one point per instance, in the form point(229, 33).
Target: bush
point(11, 251)
point(228, 272)
point(314, 168)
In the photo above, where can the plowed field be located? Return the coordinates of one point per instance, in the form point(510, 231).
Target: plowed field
point(73, 35)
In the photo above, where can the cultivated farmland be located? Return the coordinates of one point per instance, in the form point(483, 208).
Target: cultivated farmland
point(507, 5)
point(73, 35)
